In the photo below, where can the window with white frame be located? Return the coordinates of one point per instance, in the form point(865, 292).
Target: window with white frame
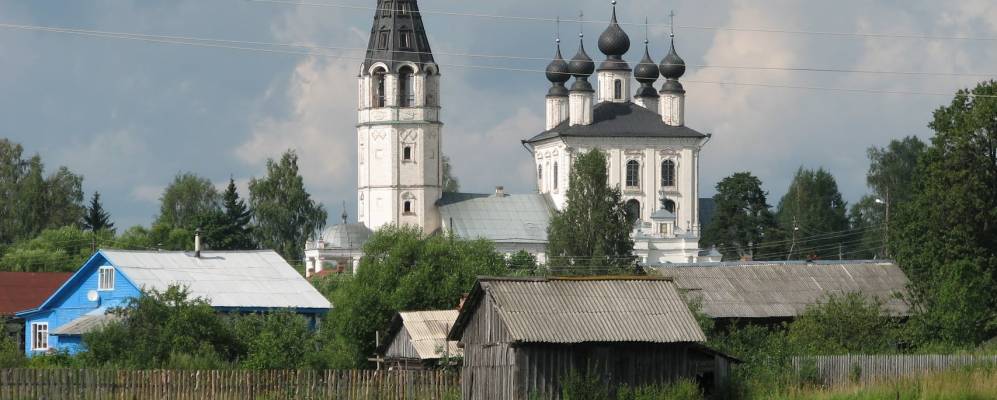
point(39, 336)
point(105, 278)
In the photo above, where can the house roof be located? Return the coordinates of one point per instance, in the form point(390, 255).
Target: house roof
point(237, 279)
point(784, 289)
point(90, 321)
point(611, 120)
point(515, 218)
point(427, 331)
point(579, 310)
point(25, 290)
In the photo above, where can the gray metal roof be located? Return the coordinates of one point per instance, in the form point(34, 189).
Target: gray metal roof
point(785, 289)
point(517, 218)
point(611, 119)
point(240, 279)
point(86, 323)
point(589, 310)
point(428, 332)
point(346, 236)
point(662, 214)
point(391, 22)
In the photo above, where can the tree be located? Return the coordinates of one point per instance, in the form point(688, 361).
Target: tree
point(284, 213)
point(97, 219)
point(813, 213)
point(32, 202)
point(450, 183)
point(186, 200)
point(402, 269)
point(594, 228)
point(228, 229)
point(892, 168)
point(277, 340)
point(54, 250)
point(868, 231)
point(945, 237)
point(848, 323)
point(742, 224)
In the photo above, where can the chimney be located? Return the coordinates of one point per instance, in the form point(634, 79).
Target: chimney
point(197, 243)
point(500, 191)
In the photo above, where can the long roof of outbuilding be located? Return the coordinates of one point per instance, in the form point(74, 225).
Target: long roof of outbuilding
point(765, 289)
point(612, 120)
point(510, 218)
point(583, 310)
point(228, 279)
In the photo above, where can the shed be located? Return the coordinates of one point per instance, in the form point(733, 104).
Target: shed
point(522, 336)
point(779, 291)
point(231, 281)
point(418, 340)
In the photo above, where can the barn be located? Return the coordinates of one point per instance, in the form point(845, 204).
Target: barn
point(522, 336)
point(418, 340)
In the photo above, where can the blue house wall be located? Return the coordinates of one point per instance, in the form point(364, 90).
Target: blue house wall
point(70, 302)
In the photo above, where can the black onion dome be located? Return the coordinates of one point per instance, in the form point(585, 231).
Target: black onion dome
point(672, 86)
point(557, 70)
point(647, 70)
point(581, 64)
point(672, 66)
point(614, 42)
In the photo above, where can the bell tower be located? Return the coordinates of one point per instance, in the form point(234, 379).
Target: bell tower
point(399, 130)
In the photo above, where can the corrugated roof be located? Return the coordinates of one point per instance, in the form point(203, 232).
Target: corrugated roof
point(611, 119)
point(593, 310)
point(241, 279)
point(21, 291)
point(428, 331)
point(88, 322)
point(518, 218)
point(785, 289)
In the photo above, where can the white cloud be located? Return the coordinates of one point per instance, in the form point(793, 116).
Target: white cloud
point(148, 193)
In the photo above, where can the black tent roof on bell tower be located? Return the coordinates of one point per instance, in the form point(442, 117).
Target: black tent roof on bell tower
point(397, 36)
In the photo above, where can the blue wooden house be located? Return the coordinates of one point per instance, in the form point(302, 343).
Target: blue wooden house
point(233, 281)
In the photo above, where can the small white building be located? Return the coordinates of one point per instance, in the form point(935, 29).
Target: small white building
point(337, 250)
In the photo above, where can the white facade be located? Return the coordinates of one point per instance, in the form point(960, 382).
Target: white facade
point(398, 144)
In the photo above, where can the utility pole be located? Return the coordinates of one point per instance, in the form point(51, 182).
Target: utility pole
point(841, 251)
point(796, 227)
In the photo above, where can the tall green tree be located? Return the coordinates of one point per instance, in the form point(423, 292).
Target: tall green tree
point(814, 212)
point(55, 250)
point(97, 219)
point(402, 269)
point(594, 228)
point(187, 200)
point(945, 237)
point(284, 213)
point(868, 228)
point(450, 182)
point(229, 228)
point(742, 224)
point(31, 201)
point(892, 169)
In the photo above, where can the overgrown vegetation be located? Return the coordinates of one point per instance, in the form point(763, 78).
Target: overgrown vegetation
point(588, 386)
point(960, 384)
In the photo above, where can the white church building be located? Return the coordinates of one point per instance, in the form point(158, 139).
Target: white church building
point(653, 156)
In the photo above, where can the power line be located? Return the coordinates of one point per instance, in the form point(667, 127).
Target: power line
point(219, 43)
point(695, 27)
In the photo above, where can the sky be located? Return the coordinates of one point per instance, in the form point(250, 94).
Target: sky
point(129, 115)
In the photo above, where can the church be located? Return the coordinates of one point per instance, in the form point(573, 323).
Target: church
point(653, 157)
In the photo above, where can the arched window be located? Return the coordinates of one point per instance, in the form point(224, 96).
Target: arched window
point(408, 207)
point(633, 210)
point(618, 89)
point(407, 153)
point(406, 87)
point(668, 205)
point(378, 85)
point(633, 173)
point(540, 174)
point(555, 175)
point(668, 173)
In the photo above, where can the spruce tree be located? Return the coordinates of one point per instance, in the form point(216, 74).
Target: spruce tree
point(813, 210)
point(743, 225)
point(96, 218)
point(284, 214)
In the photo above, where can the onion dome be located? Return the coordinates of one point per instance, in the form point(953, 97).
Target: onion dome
point(672, 86)
point(581, 67)
point(646, 73)
point(557, 73)
point(672, 66)
point(614, 43)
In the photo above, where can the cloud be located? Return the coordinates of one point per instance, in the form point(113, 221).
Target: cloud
point(148, 193)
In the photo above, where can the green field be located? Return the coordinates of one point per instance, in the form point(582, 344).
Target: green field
point(954, 385)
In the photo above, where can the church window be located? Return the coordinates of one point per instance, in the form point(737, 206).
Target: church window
point(407, 153)
point(386, 11)
point(668, 173)
point(408, 207)
point(405, 40)
point(633, 173)
point(668, 205)
point(618, 89)
point(406, 87)
point(633, 210)
point(555, 175)
point(405, 8)
point(382, 41)
point(540, 174)
point(378, 87)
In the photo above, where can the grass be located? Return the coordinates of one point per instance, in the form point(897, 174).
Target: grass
point(960, 384)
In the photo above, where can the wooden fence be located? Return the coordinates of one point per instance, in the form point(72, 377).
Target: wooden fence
point(270, 385)
point(837, 370)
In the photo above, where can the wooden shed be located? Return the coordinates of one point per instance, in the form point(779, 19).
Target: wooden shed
point(418, 340)
point(522, 336)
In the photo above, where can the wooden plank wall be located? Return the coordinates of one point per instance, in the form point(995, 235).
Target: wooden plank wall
point(838, 370)
point(20, 384)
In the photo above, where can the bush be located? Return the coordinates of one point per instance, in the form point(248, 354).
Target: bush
point(683, 389)
point(11, 355)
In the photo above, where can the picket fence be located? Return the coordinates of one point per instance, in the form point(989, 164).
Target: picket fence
point(20, 384)
point(838, 370)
